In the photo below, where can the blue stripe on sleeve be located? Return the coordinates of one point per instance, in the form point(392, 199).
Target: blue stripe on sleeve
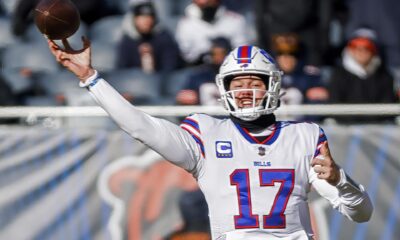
point(192, 123)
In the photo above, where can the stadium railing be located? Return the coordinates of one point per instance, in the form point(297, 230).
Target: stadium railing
point(178, 111)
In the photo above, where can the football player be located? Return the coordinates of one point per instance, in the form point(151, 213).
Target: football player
point(254, 171)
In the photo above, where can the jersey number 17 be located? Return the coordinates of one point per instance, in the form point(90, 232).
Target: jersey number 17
point(268, 177)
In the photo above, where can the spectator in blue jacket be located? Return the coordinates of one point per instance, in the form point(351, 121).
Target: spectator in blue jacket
point(146, 44)
point(200, 88)
point(302, 83)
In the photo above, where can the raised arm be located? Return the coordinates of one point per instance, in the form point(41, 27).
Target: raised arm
point(166, 138)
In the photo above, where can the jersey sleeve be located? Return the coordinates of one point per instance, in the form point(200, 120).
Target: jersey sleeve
point(191, 125)
point(169, 140)
point(321, 139)
point(348, 197)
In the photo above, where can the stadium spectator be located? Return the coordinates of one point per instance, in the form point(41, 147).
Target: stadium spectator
point(310, 19)
point(145, 43)
point(362, 76)
point(205, 20)
point(383, 17)
point(90, 11)
point(200, 87)
point(301, 83)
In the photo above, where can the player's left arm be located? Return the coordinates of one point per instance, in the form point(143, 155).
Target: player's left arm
point(331, 182)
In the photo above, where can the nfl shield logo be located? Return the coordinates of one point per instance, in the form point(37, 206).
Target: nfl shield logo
point(261, 151)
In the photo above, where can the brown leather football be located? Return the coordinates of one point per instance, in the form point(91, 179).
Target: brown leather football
point(57, 19)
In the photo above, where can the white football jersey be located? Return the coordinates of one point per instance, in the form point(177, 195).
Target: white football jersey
point(255, 188)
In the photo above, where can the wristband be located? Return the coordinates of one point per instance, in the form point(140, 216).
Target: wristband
point(90, 81)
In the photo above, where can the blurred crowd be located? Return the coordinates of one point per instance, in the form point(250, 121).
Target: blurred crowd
point(167, 52)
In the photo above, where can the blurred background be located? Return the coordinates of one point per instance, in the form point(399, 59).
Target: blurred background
point(68, 172)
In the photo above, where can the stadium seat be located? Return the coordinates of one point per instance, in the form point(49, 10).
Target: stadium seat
point(175, 82)
point(123, 5)
point(170, 12)
point(41, 101)
point(32, 34)
point(22, 63)
point(59, 82)
point(63, 86)
point(135, 85)
point(103, 56)
point(36, 57)
point(107, 30)
point(17, 82)
point(7, 38)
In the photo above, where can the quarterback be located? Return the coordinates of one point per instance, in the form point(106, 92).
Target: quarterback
point(254, 171)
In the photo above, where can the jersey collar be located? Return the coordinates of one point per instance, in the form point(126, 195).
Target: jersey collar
point(268, 141)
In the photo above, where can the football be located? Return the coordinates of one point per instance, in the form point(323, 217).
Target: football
point(57, 19)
